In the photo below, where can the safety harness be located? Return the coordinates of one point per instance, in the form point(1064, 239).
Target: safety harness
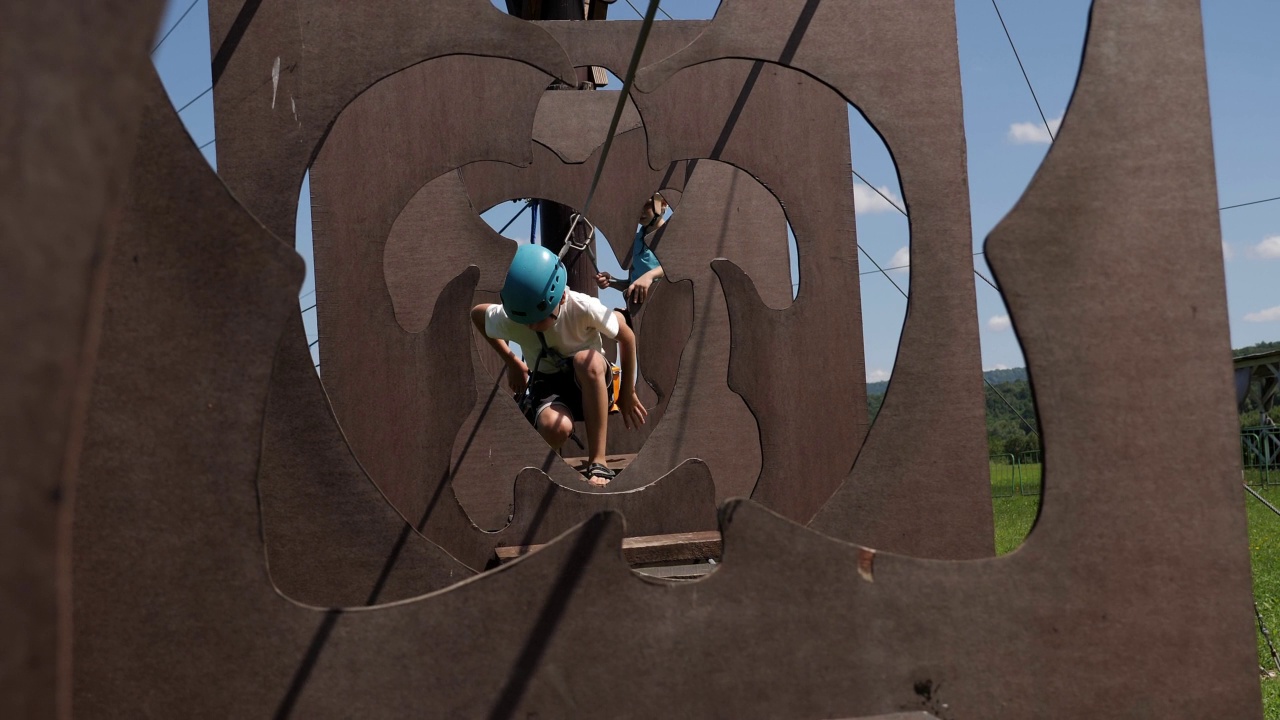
point(526, 400)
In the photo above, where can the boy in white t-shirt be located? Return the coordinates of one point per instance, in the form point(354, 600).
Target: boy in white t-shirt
point(563, 331)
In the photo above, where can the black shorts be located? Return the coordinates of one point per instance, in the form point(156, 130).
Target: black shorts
point(556, 388)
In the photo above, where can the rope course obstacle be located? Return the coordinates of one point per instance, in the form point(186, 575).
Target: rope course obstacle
point(194, 525)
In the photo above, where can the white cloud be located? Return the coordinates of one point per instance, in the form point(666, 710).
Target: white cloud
point(1032, 133)
point(877, 375)
point(1228, 252)
point(867, 201)
point(997, 366)
point(1268, 249)
point(999, 323)
point(901, 260)
point(1268, 315)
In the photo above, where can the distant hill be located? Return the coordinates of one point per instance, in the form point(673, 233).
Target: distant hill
point(1251, 350)
point(995, 377)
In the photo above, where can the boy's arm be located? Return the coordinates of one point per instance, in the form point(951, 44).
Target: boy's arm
point(517, 372)
point(654, 274)
point(633, 413)
point(638, 291)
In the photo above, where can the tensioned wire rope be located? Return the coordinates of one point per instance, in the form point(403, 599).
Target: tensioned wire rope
point(1023, 69)
point(174, 26)
point(627, 82)
point(626, 87)
point(1255, 202)
point(1000, 395)
point(884, 271)
point(1031, 89)
point(664, 12)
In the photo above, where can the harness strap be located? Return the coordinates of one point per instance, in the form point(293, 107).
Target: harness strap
point(544, 352)
point(614, 373)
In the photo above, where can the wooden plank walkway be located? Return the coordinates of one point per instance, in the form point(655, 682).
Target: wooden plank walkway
point(649, 551)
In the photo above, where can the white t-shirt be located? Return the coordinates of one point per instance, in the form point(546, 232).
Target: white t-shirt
point(581, 321)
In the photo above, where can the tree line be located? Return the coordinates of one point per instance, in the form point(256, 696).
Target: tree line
point(1012, 426)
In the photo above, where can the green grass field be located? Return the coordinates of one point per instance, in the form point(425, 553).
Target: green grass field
point(1015, 514)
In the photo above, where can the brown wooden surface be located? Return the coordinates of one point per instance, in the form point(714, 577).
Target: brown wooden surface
point(71, 76)
point(784, 345)
point(930, 499)
point(272, 131)
point(899, 496)
point(331, 537)
point(175, 614)
point(589, 113)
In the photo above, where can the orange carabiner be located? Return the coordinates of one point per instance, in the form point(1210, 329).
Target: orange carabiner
point(617, 386)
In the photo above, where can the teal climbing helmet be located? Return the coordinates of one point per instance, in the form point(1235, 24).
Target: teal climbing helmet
point(535, 283)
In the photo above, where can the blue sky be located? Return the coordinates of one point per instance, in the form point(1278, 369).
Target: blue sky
point(1006, 143)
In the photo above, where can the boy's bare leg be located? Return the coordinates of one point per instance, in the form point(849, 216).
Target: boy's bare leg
point(589, 368)
point(555, 425)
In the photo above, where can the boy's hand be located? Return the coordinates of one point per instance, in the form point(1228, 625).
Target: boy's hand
point(633, 413)
point(517, 375)
point(639, 290)
point(604, 280)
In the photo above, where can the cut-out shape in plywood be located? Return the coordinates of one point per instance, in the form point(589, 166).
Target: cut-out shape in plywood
point(611, 45)
point(573, 124)
point(284, 70)
point(732, 111)
point(380, 264)
point(334, 543)
point(931, 499)
point(415, 266)
point(174, 614)
point(70, 83)
point(380, 289)
point(790, 358)
point(436, 235)
point(723, 211)
point(370, 179)
point(626, 183)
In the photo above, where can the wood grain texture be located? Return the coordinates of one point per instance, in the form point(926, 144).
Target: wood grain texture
point(71, 76)
point(284, 70)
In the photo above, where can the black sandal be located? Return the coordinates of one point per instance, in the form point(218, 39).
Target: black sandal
point(598, 470)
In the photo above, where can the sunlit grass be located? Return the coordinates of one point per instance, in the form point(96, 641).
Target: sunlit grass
point(1015, 514)
point(1016, 510)
point(1264, 547)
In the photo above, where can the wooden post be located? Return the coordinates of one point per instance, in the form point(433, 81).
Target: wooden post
point(556, 218)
